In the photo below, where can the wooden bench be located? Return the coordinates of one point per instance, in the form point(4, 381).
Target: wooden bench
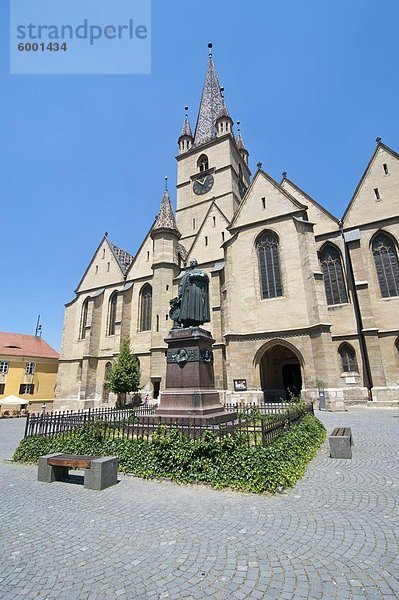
point(100, 471)
point(341, 443)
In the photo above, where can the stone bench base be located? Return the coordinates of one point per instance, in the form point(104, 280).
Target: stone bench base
point(341, 443)
point(102, 472)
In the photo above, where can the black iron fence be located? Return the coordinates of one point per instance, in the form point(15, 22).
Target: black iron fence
point(51, 423)
point(256, 424)
point(265, 408)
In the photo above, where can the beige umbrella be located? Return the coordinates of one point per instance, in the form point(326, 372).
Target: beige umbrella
point(13, 401)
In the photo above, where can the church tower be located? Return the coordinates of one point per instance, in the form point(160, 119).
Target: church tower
point(212, 174)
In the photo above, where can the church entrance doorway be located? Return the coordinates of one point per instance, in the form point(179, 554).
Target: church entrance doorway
point(292, 379)
point(280, 372)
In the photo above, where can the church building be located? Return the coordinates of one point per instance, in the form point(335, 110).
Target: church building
point(300, 300)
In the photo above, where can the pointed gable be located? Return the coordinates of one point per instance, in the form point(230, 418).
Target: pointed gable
point(208, 241)
point(376, 196)
point(211, 106)
point(265, 199)
point(107, 267)
point(324, 221)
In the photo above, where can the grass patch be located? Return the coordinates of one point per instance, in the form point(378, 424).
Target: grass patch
point(227, 462)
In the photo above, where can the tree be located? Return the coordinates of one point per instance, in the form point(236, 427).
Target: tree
point(124, 375)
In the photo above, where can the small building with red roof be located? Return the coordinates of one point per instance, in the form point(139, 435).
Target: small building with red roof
point(28, 370)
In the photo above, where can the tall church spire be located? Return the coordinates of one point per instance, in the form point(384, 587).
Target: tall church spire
point(212, 105)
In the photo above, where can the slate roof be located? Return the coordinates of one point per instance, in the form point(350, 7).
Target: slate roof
point(165, 218)
point(123, 258)
point(186, 129)
point(223, 112)
point(211, 106)
point(19, 344)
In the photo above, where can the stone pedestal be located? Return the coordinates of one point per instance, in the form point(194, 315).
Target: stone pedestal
point(190, 383)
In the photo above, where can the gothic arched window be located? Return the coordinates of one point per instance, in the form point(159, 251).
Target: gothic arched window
point(83, 319)
point(145, 307)
point(267, 247)
point(386, 264)
point(203, 163)
point(333, 275)
point(108, 367)
point(348, 358)
point(112, 313)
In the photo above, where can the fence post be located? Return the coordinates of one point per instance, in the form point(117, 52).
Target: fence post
point(26, 425)
point(262, 422)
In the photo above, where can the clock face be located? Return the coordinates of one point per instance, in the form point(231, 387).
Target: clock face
point(202, 185)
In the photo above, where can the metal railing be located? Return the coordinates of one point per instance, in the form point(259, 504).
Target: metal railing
point(256, 424)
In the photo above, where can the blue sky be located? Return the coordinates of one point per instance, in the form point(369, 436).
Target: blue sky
point(313, 84)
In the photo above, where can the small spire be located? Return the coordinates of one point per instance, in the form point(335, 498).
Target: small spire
point(239, 140)
point(106, 234)
point(378, 140)
point(210, 45)
point(284, 174)
point(166, 218)
point(223, 112)
point(259, 165)
point(186, 129)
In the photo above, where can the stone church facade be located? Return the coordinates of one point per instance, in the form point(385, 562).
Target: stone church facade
point(300, 300)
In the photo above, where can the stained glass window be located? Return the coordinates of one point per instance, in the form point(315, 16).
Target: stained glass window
point(386, 264)
point(83, 319)
point(269, 265)
point(146, 308)
point(333, 275)
point(112, 313)
point(348, 358)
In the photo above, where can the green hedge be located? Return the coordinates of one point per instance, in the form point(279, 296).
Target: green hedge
point(220, 463)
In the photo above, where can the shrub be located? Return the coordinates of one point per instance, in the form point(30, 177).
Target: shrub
point(225, 462)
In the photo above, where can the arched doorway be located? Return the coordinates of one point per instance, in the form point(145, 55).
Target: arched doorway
point(280, 373)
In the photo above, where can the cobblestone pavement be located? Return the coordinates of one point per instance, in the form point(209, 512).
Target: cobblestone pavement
point(333, 537)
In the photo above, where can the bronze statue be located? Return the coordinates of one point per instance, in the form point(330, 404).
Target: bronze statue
point(191, 307)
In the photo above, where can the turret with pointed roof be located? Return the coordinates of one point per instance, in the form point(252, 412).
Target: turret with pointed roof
point(186, 137)
point(224, 122)
point(240, 144)
point(165, 220)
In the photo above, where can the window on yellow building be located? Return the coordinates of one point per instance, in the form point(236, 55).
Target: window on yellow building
point(4, 364)
point(30, 368)
point(26, 388)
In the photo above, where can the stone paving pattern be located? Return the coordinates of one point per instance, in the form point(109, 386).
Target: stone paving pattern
point(333, 537)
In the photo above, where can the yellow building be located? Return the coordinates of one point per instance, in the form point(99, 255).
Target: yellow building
point(28, 370)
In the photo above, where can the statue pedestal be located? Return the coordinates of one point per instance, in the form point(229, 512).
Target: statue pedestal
point(190, 382)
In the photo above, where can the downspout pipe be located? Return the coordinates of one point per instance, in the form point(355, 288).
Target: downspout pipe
point(368, 380)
